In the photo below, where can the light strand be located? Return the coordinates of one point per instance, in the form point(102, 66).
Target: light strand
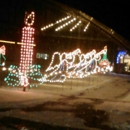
point(75, 26)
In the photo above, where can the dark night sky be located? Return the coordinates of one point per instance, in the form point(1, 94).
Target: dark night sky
point(112, 13)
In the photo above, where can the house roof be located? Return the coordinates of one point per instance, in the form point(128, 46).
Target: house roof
point(95, 29)
point(48, 12)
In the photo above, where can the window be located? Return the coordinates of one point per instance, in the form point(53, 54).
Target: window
point(38, 55)
point(42, 56)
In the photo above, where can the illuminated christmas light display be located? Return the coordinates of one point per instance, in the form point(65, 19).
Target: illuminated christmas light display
point(120, 55)
point(57, 22)
point(58, 71)
point(62, 19)
point(65, 24)
point(34, 75)
point(26, 74)
point(86, 27)
point(26, 48)
point(70, 65)
point(13, 77)
point(75, 26)
point(76, 65)
point(10, 42)
point(48, 26)
point(104, 61)
point(2, 56)
point(27, 40)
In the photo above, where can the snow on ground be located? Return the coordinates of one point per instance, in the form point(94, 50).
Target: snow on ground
point(96, 102)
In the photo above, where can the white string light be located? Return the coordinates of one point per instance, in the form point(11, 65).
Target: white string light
point(29, 18)
point(75, 26)
point(65, 24)
point(62, 19)
point(68, 67)
point(48, 26)
point(57, 22)
point(86, 27)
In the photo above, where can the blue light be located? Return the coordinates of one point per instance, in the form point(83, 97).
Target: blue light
point(118, 56)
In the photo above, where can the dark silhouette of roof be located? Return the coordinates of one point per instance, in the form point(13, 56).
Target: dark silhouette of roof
point(49, 11)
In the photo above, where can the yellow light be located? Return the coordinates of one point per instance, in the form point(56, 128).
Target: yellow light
point(86, 27)
point(20, 43)
point(11, 42)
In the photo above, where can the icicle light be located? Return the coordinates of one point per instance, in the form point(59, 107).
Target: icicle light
point(86, 27)
point(65, 24)
point(75, 26)
point(57, 22)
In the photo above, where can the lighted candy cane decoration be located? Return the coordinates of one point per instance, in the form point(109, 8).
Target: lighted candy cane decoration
point(2, 53)
point(26, 48)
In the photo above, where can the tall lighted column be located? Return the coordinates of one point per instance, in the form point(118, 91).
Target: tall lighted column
point(27, 47)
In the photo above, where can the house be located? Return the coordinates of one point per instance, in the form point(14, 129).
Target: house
point(59, 28)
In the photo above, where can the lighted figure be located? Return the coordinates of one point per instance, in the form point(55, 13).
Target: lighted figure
point(2, 56)
point(104, 62)
point(74, 65)
point(24, 80)
point(58, 72)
